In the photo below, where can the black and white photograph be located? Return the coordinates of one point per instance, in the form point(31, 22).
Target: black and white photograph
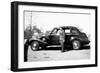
point(56, 36)
point(51, 35)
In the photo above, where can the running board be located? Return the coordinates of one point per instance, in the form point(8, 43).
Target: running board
point(53, 46)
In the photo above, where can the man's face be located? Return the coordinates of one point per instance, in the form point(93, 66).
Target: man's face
point(60, 28)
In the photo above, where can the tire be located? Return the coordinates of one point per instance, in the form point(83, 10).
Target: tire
point(76, 44)
point(35, 45)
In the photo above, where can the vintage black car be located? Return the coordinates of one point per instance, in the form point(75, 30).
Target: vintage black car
point(73, 38)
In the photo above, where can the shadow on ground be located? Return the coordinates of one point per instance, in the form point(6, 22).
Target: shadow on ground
point(66, 49)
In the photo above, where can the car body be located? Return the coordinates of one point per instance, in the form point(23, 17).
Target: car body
point(73, 37)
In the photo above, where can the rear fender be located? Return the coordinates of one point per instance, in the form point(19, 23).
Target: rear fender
point(74, 38)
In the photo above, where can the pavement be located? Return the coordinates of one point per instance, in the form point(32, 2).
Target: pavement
point(55, 55)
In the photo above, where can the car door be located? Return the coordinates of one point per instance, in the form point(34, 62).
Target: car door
point(67, 36)
point(54, 37)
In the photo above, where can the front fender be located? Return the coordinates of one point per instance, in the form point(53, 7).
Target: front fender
point(36, 39)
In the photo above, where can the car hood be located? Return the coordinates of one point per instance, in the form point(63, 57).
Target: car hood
point(39, 35)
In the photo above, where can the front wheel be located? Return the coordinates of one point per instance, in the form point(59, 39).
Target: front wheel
point(35, 45)
point(76, 44)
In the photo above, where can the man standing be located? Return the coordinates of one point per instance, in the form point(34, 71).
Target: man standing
point(62, 39)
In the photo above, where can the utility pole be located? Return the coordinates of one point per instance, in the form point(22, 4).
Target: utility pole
point(31, 18)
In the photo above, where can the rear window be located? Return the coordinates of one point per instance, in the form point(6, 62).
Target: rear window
point(74, 31)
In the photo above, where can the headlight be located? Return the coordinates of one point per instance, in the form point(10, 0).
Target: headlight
point(35, 34)
point(43, 35)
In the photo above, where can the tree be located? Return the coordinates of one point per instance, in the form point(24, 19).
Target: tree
point(29, 31)
point(35, 29)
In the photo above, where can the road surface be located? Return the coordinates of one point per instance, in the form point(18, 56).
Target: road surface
point(55, 55)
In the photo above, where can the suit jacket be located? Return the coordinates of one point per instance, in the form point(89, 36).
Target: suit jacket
point(62, 35)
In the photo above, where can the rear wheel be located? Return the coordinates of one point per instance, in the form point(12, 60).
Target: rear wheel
point(76, 44)
point(35, 45)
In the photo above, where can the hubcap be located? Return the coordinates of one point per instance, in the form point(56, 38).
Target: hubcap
point(43, 39)
point(76, 45)
point(34, 46)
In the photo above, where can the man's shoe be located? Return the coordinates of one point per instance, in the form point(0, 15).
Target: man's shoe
point(63, 51)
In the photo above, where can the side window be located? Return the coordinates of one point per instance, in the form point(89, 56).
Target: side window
point(54, 31)
point(67, 31)
point(57, 33)
point(74, 31)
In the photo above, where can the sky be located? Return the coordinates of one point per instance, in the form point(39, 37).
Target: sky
point(48, 20)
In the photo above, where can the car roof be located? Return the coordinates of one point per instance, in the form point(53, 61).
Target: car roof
point(68, 27)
